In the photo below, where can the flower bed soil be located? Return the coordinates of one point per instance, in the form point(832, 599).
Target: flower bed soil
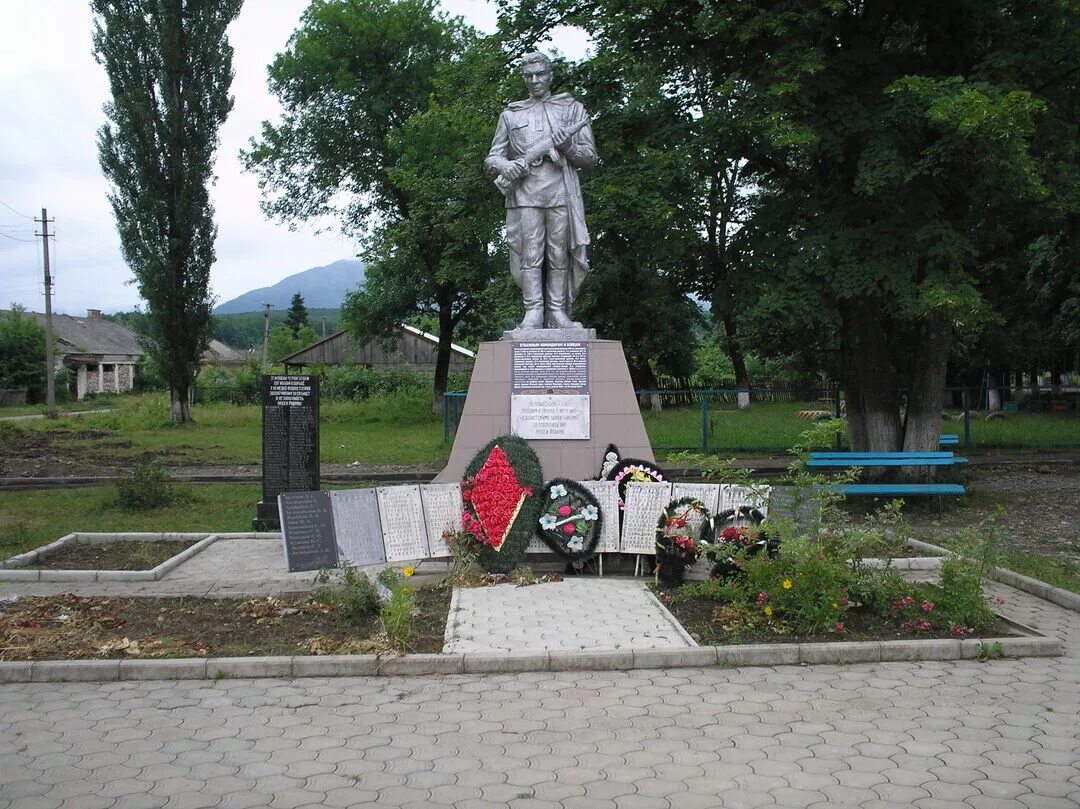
point(72, 627)
point(700, 618)
point(112, 555)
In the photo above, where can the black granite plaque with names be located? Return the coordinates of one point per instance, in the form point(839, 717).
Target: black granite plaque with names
point(290, 434)
point(307, 531)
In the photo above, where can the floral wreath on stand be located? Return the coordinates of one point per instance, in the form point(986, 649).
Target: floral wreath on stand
point(633, 470)
point(723, 538)
point(678, 537)
point(570, 520)
point(499, 502)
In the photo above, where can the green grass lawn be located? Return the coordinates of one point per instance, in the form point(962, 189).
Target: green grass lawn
point(38, 517)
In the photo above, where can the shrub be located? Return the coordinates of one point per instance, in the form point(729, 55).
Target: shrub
point(145, 487)
point(399, 610)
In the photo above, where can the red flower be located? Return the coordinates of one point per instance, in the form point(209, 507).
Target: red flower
point(762, 598)
point(839, 627)
point(565, 511)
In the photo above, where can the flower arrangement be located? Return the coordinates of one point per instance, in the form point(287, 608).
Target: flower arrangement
point(499, 503)
point(632, 470)
point(678, 542)
point(492, 497)
point(570, 519)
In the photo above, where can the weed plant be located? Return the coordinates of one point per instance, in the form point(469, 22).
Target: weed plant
point(348, 590)
point(398, 612)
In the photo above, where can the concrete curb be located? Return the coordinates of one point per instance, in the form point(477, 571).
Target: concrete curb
point(15, 568)
point(750, 655)
point(1047, 592)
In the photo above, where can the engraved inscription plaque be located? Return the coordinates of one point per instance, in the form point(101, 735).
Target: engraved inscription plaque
point(707, 493)
point(606, 493)
point(402, 517)
point(307, 531)
point(357, 526)
point(734, 496)
point(644, 502)
point(442, 513)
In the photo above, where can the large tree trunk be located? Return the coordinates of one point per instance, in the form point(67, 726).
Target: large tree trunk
point(734, 350)
point(179, 411)
point(869, 376)
point(442, 357)
point(922, 426)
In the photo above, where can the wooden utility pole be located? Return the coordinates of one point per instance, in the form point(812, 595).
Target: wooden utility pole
point(50, 370)
point(266, 333)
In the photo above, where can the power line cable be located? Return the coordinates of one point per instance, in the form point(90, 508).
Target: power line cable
point(28, 241)
point(18, 213)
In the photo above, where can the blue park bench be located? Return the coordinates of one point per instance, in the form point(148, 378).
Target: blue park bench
point(950, 440)
point(848, 460)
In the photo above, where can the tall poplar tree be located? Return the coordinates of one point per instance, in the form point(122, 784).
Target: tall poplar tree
point(169, 65)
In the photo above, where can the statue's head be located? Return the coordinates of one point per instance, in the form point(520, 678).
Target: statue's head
point(536, 70)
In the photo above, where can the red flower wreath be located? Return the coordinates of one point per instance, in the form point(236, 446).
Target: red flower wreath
point(493, 497)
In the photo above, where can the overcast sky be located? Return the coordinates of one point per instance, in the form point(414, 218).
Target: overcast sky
point(51, 94)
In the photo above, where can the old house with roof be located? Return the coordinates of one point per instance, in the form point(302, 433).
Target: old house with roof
point(102, 354)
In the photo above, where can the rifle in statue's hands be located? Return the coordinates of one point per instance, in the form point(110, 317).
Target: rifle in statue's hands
point(536, 153)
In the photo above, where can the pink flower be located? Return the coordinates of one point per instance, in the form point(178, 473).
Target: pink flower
point(762, 598)
point(924, 626)
point(839, 627)
point(568, 528)
point(565, 511)
point(843, 602)
point(928, 606)
point(958, 631)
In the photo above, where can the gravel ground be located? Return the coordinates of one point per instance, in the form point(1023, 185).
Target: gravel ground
point(1041, 505)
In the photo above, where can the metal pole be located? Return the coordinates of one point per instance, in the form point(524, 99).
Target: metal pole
point(966, 398)
point(838, 441)
point(704, 421)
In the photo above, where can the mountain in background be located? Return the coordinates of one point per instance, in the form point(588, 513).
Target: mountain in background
point(321, 287)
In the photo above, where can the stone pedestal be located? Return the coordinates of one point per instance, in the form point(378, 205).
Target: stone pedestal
point(614, 414)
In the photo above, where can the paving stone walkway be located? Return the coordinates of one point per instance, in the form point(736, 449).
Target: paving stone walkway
point(561, 616)
point(932, 735)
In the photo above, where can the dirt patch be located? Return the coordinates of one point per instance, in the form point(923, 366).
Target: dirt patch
point(72, 627)
point(1040, 502)
point(43, 454)
point(112, 555)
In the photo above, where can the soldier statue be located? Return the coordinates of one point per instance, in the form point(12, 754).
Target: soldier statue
point(539, 146)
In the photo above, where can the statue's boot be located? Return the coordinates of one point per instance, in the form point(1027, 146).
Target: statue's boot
point(532, 293)
point(555, 314)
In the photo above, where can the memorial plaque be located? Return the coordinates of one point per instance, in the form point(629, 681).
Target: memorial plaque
point(553, 367)
point(307, 531)
point(606, 493)
point(549, 390)
point(537, 545)
point(402, 517)
point(733, 496)
point(357, 526)
point(644, 503)
point(707, 493)
point(549, 416)
point(290, 415)
point(442, 513)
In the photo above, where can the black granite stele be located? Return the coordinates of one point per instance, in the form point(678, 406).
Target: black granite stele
point(290, 442)
point(307, 527)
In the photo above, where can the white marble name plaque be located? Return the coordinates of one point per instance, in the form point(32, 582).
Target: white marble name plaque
point(606, 493)
point(537, 545)
point(357, 526)
point(707, 493)
point(644, 503)
point(555, 416)
point(402, 516)
point(733, 496)
point(442, 513)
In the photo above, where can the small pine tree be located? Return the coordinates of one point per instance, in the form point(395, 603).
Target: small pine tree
point(297, 317)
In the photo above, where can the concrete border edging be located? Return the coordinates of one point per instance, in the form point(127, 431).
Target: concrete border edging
point(750, 655)
point(16, 568)
point(1047, 592)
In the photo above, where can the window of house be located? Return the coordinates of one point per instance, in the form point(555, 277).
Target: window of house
point(107, 369)
point(91, 367)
